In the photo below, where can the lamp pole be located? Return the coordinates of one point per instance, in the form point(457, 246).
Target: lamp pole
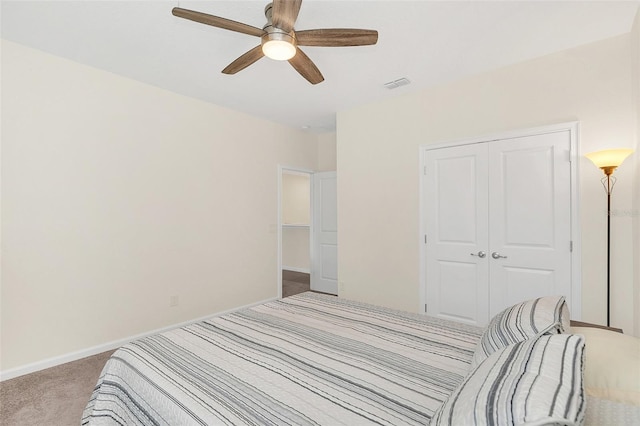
point(611, 181)
point(608, 173)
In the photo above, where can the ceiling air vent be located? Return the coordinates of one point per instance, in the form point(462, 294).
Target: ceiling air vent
point(397, 83)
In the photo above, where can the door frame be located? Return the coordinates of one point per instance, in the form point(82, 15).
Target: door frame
point(574, 157)
point(295, 170)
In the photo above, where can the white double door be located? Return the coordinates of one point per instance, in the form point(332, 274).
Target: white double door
point(498, 225)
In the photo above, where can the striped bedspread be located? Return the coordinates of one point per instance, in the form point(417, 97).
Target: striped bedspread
point(309, 359)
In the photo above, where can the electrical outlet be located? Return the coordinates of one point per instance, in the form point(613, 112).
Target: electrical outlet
point(174, 301)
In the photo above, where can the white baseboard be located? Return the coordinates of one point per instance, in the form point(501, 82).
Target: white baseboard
point(74, 356)
point(294, 269)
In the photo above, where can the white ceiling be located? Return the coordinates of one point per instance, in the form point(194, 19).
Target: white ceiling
point(428, 42)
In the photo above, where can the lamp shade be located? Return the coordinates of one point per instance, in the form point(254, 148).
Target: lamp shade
point(609, 158)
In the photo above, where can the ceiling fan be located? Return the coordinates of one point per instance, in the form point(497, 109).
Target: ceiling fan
point(279, 39)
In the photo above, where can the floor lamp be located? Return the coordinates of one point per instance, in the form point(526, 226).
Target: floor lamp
point(608, 160)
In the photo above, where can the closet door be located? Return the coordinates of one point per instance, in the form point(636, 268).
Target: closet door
point(529, 219)
point(498, 225)
point(457, 216)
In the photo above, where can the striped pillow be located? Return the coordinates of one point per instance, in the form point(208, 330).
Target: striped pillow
point(534, 382)
point(545, 315)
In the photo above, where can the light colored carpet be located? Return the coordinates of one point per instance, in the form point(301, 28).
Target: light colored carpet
point(55, 396)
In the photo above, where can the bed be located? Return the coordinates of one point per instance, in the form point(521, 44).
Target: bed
point(313, 359)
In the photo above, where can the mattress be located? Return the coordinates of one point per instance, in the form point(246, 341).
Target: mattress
point(309, 359)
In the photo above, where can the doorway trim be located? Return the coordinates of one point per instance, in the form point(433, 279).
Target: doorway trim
point(294, 170)
point(574, 157)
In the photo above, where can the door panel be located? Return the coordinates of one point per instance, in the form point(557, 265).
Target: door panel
point(324, 262)
point(329, 266)
point(526, 284)
point(456, 207)
point(529, 202)
point(523, 190)
point(458, 287)
point(328, 203)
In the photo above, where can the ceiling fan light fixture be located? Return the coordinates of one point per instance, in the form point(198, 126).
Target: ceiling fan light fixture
point(279, 46)
point(279, 38)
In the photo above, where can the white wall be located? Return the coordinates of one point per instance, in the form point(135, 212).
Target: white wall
point(117, 195)
point(378, 162)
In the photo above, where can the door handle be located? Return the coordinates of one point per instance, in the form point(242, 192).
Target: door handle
point(497, 255)
point(480, 254)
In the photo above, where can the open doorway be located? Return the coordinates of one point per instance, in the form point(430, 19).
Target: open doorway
point(295, 231)
point(307, 232)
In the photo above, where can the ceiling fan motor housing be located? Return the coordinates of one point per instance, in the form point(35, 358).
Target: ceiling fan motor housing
point(277, 43)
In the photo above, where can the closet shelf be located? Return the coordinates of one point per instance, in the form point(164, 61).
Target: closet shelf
point(295, 225)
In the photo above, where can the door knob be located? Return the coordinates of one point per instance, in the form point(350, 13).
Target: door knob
point(480, 254)
point(497, 255)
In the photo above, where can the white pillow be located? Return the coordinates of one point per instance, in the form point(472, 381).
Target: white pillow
point(612, 365)
point(544, 315)
point(533, 382)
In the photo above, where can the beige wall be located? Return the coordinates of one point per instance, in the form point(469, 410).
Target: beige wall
point(296, 198)
point(378, 164)
point(117, 195)
point(296, 202)
point(296, 249)
point(327, 152)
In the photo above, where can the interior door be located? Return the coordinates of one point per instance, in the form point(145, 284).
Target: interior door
point(324, 257)
point(530, 218)
point(457, 215)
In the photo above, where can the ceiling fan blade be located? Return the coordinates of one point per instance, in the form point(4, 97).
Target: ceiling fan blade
point(285, 13)
point(244, 60)
point(217, 21)
point(336, 37)
point(306, 67)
